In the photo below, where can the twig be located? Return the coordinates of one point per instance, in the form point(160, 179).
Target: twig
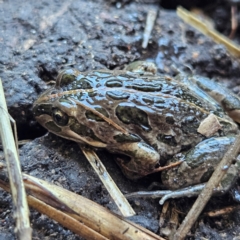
point(208, 190)
point(171, 165)
point(234, 21)
point(192, 20)
point(21, 213)
point(15, 132)
point(59, 216)
point(59, 203)
point(223, 211)
point(151, 17)
point(108, 182)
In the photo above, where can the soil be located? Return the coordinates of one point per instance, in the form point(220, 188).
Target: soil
point(40, 38)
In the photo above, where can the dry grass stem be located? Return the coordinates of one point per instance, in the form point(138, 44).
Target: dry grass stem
point(223, 211)
point(109, 184)
point(193, 20)
point(234, 21)
point(151, 17)
point(76, 212)
point(21, 212)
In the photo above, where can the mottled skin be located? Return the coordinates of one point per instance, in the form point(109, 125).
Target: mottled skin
point(146, 118)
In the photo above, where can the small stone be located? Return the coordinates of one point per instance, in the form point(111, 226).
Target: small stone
point(209, 126)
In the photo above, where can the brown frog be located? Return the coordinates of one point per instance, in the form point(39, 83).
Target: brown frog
point(148, 120)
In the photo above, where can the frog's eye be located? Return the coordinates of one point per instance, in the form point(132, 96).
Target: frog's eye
point(66, 77)
point(59, 117)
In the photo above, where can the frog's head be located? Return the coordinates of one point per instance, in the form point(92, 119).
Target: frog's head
point(52, 112)
point(57, 110)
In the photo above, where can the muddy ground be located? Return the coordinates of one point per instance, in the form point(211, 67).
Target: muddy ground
point(38, 39)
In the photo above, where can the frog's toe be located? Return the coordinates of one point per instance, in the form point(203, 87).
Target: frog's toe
point(186, 192)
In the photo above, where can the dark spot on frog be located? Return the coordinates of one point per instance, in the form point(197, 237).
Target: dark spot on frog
point(92, 94)
point(114, 83)
point(93, 116)
point(118, 95)
point(140, 84)
point(131, 114)
point(185, 148)
point(82, 130)
point(121, 138)
point(166, 103)
point(86, 84)
point(190, 124)
point(125, 76)
point(155, 146)
point(159, 103)
point(82, 83)
point(168, 139)
point(52, 127)
point(170, 118)
point(148, 99)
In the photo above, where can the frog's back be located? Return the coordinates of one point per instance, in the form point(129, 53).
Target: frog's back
point(162, 112)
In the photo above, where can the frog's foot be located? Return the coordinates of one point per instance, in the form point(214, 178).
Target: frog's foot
point(227, 182)
point(167, 194)
point(142, 67)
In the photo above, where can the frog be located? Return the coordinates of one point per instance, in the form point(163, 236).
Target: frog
point(146, 119)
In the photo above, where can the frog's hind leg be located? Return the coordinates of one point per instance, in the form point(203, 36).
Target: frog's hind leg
point(199, 164)
point(228, 100)
point(227, 182)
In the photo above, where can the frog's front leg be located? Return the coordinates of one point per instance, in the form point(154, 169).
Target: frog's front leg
point(137, 159)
